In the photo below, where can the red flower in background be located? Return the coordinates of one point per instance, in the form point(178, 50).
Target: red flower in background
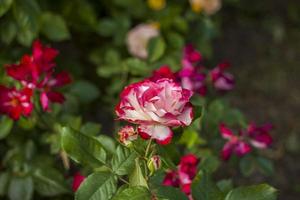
point(235, 143)
point(171, 179)
point(222, 81)
point(191, 57)
point(36, 72)
point(260, 135)
point(77, 180)
point(184, 175)
point(192, 74)
point(31, 68)
point(163, 72)
point(156, 106)
point(240, 144)
point(15, 103)
point(187, 170)
point(48, 86)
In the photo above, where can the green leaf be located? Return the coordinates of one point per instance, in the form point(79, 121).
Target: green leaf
point(171, 193)
point(5, 6)
point(26, 36)
point(26, 13)
point(108, 143)
point(49, 182)
point(4, 180)
point(106, 27)
point(225, 185)
point(133, 193)
point(85, 91)
point(20, 188)
point(210, 163)
point(175, 40)
point(91, 129)
point(54, 27)
point(8, 31)
point(190, 138)
point(156, 48)
point(256, 192)
point(136, 178)
point(136, 66)
point(82, 148)
point(123, 160)
point(247, 165)
point(204, 189)
point(265, 165)
point(27, 123)
point(6, 125)
point(97, 186)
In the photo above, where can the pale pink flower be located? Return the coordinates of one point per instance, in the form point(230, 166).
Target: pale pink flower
point(138, 38)
point(209, 7)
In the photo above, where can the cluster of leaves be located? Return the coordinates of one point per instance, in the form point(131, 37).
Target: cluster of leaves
point(120, 173)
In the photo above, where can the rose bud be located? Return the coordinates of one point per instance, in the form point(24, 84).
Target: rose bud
point(154, 163)
point(127, 134)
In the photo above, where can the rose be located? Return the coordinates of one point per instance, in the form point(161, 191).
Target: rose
point(183, 176)
point(156, 106)
point(138, 38)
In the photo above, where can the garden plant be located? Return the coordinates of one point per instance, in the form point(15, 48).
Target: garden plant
point(121, 99)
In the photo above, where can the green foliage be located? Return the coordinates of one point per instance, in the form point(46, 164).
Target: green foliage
point(49, 182)
point(4, 180)
point(123, 161)
point(203, 188)
point(258, 192)
point(82, 148)
point(5, 6)
point(20, 188)
point(96, 186)
point(85, 91)
point(156, 48)
point(26, 14)
point(6, 125)
point(54, 27)
point(137, 178)
point(134, 193)
point(247, 165)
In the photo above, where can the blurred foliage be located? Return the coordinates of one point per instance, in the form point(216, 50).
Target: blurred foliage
point(91, 37)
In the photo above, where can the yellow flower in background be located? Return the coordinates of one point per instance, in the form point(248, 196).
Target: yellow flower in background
point(156, 4)
point(196, 5)
point(209, 7)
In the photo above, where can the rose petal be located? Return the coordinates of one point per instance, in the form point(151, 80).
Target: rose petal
point(44, 101)
point(242, 148)
point(225, 131)
point(227, 150)
point(162, 134)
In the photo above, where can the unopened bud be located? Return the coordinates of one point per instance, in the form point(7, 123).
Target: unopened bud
point(154, 163)
point(127, 134)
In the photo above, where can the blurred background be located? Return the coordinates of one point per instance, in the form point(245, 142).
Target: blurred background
point(261, 39)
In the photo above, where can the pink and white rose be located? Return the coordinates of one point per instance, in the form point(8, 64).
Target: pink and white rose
point(155, 107)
